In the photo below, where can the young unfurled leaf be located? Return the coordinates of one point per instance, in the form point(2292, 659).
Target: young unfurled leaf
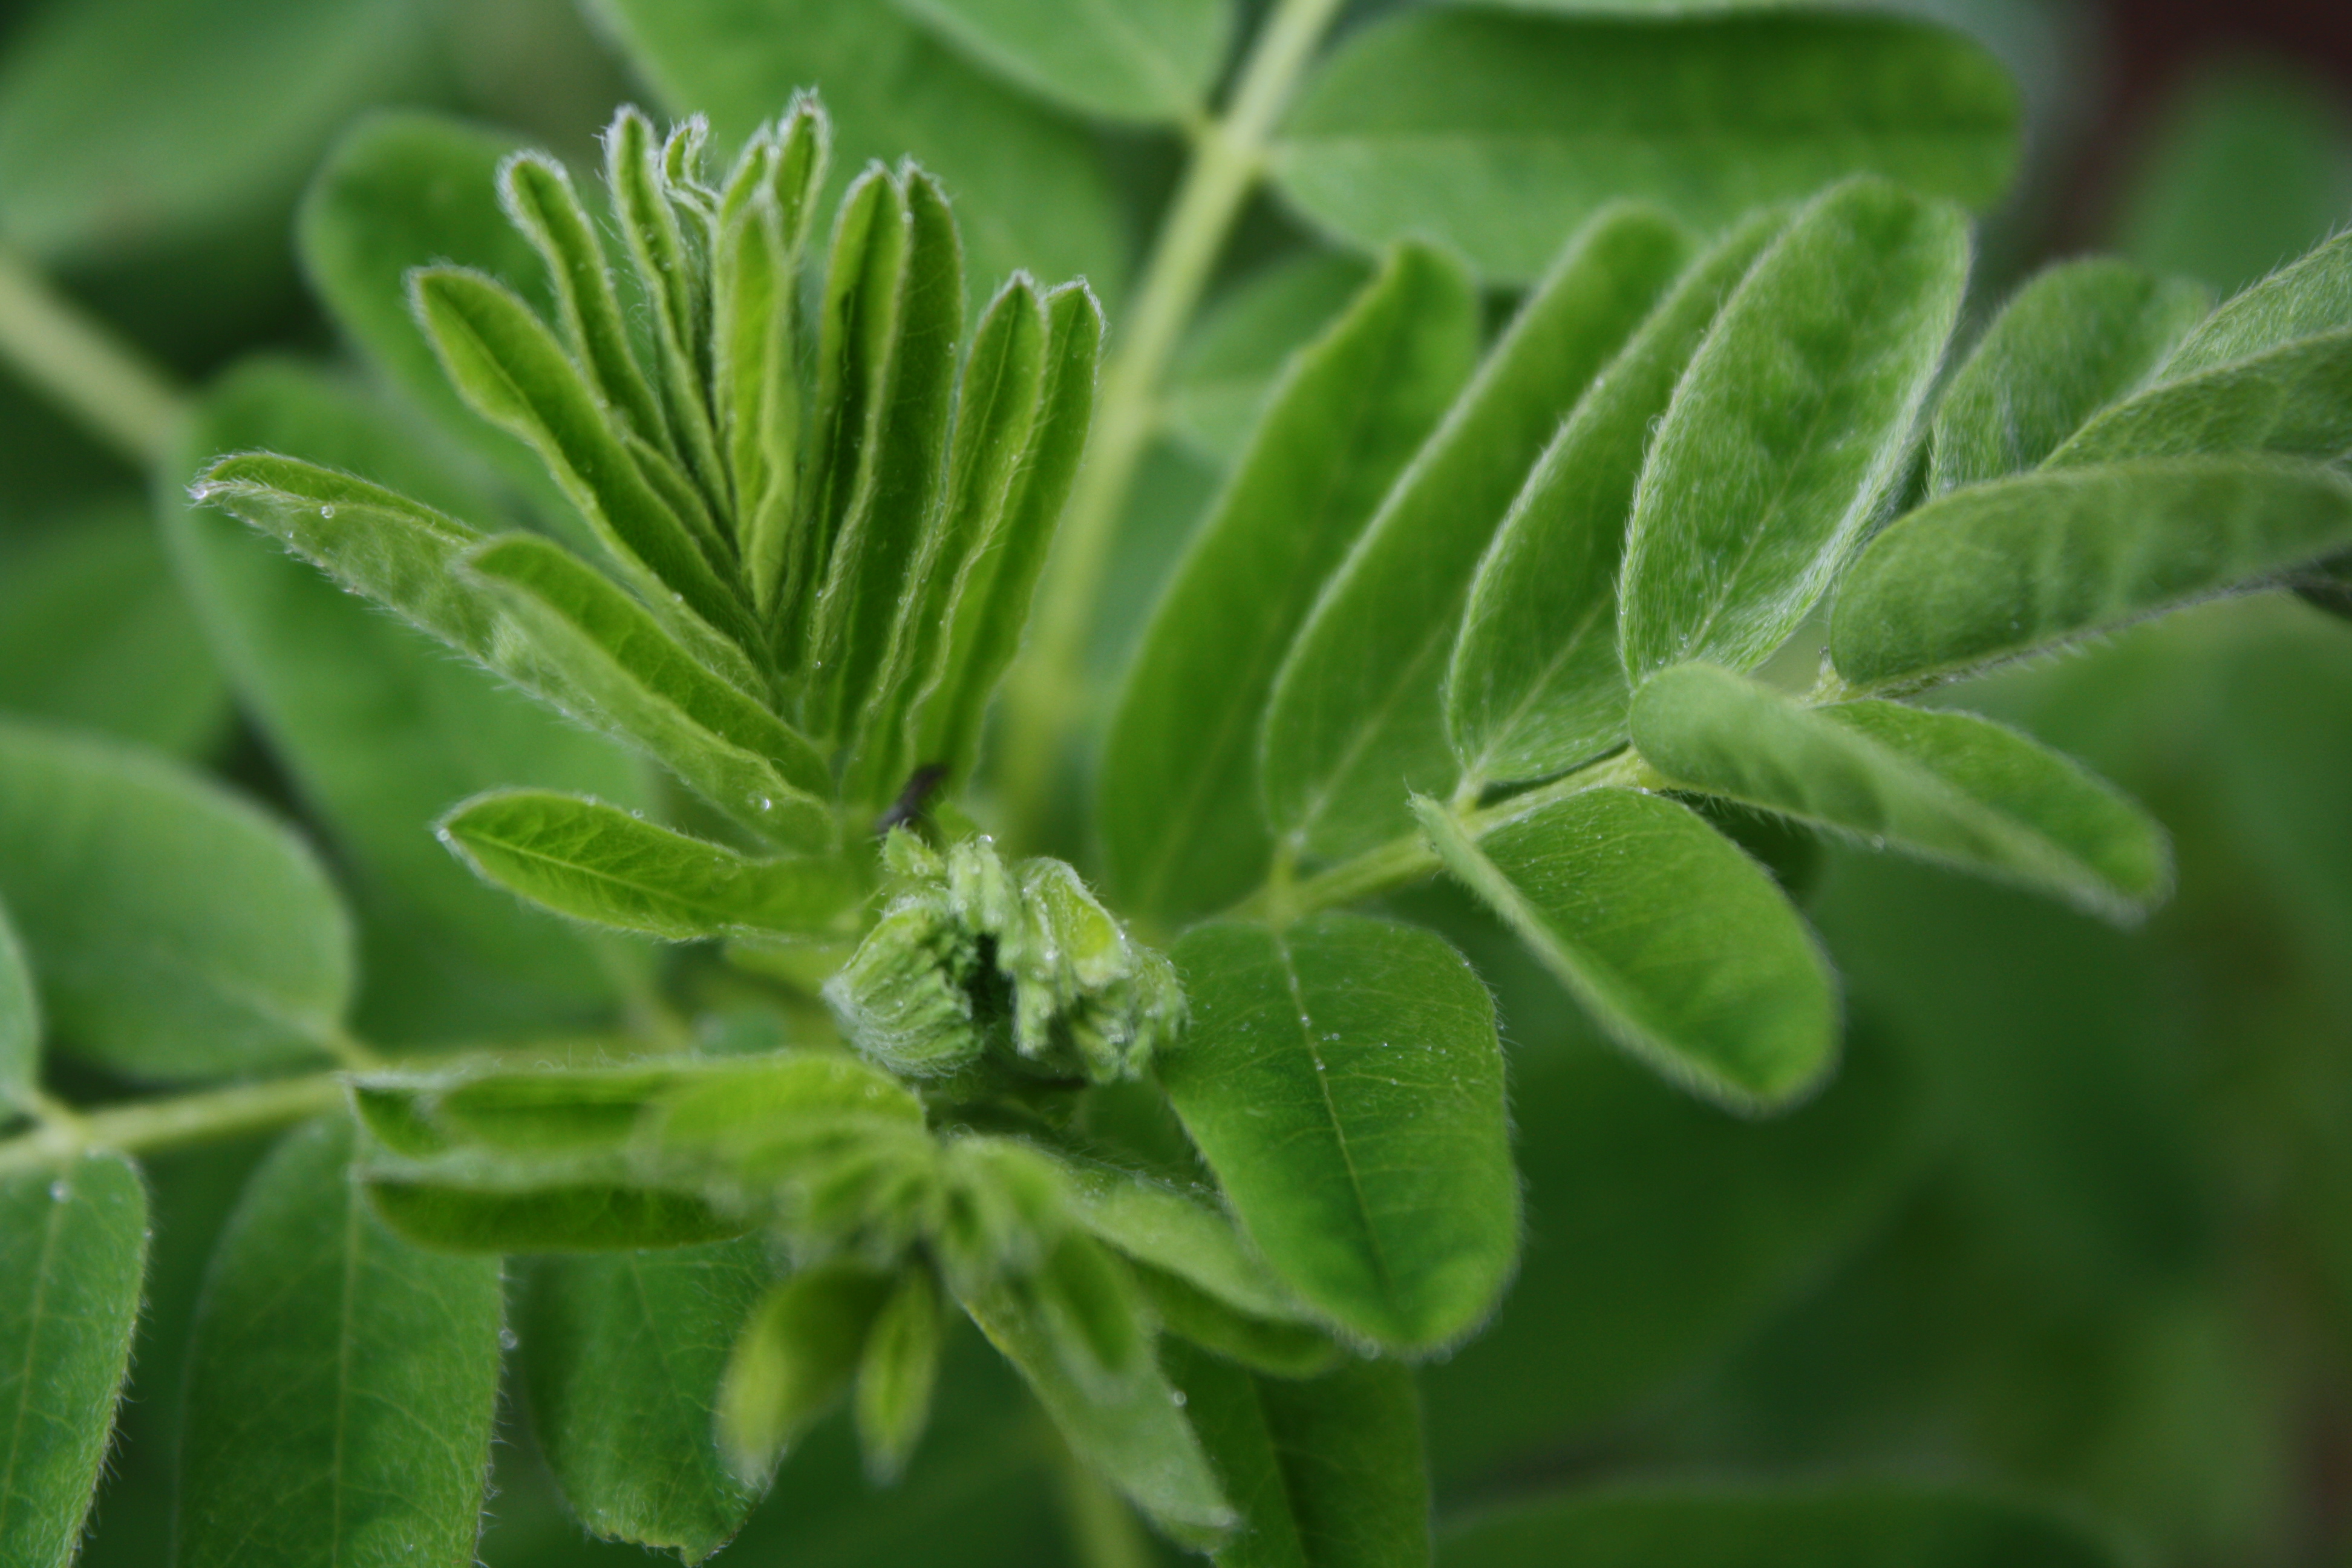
point(887, 355)
point(1184, 1233)
point(2306, 298)
point(1343, 1080)
point(20, 1020)
point(1681, 947)
point(73, 1249)
point(471, 1202)
point(2001, 570)
point(1790, 427)
point(176, 933)
point(673, 279)
point(600, 864)
point(621, 1356)
point(1535, 685)
point(1179, 810)
point(2081, 336)
point(1757, 1528)
point(1501, 132)
point(796, 1356)
point(1356, 719)
point(569, 633)
point(322, 1342)
point(2291, 402)
point(1325, 1473)
point(1946, 786)
point(1153, 61)
point(896, 1372)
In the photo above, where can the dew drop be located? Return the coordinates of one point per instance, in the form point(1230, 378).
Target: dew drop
point(328, 510)
point(767, 804)
point(508, 1339)
point(1178, 1396)
point(59, 1191)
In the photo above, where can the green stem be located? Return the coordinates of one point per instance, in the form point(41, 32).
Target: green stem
point(1228, 158)
point(81, 364)
point(171, 1123)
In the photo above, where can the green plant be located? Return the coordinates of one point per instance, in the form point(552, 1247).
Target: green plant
point(1214, 1157)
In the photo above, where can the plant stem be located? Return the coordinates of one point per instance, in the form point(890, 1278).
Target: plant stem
point(169, 1123)
point(79, 364)
point(1228, 157)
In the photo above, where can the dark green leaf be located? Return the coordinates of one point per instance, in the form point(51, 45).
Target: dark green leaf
point(1028, 187)
point(1343, 1080)
point(1126, 59)
point(2079, 337)
point(1876, 1528)
point(1356, 720)
point(600, 864)
point(73, 1249)
point(1790, 428)
point(793, 1360)
point(1502, 132)
point(1536, 686)
point(622, 1355)
point(471, 1202)
point(2001, 570)
point(342, 1384)
point(1946, 786)
point(175, 931)
point(896, 1372)
point(2292, 402)
point(94, 634)
point(1180, 818)
point(1221, 376)
point(20, 1021)
point(1326, 1474)
point(568, 631)
point(2306, 298)
point(1680, 947)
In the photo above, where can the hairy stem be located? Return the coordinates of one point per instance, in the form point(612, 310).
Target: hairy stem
point(1228, 157)
point(78, 364)
point(170, 1123)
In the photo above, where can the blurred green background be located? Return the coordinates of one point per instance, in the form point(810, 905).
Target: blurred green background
point(2076, 1219)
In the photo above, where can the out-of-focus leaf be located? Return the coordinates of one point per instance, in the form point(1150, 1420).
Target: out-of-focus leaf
point(94, 634)
point(791, 1359)
point(73, 1249)
point(622, 1355)
point(2308, 296)
point(1680, 947)
point(468, 1202)
point(341, 1384)
point(1179, 808)
point(1274, 1346)
point(1343, 1080)
point(1356, 720)
point(898, 1372)
point(1028, 187)
point(1153, 61)
point(1945, 786)
point(2081, 336)
point(175, 931)
point(204, 126)
point(1218, 383)
point(2191, 208)
point(2291, 402)
point(600, 864)
point(20, 1020)
point(1535, 685)
point(380, 731)
point(1877, 1528)
point(1790, 427)
point(1325, 1473)
point(1502, 132)
point(2004, 569)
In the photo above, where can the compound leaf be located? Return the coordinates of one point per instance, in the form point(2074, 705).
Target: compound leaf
point(1790, 427)
point(1500, 132)
point(1325, 1473)
point(621, 1354)
point(73, 1251)
point(1946, 786)
point(1181, 827)
point(2001, 570)
point(1684, 949)
point(600, 864)
point(176, 933)
point(2291, 402)
point(1343, 1080)
point(1355, 718)
point(2078, 338)
point(1535, 685)
point(1150, 60)
point(341, 1384)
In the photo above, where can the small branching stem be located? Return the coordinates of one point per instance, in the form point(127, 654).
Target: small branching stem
point(1228, 158)
point(82, 366)
point(152, 1125)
